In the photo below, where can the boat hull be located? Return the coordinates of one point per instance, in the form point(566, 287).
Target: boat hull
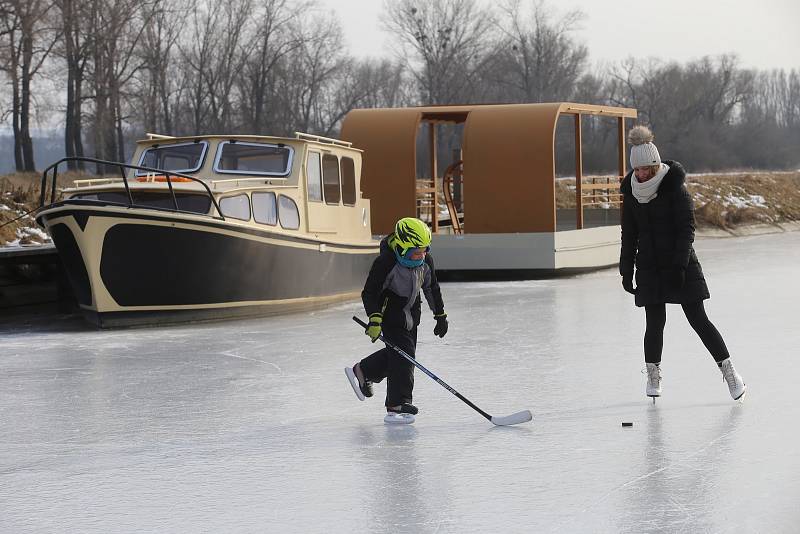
point(130, 266)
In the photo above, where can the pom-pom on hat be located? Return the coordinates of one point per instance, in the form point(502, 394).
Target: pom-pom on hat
point(643, 152)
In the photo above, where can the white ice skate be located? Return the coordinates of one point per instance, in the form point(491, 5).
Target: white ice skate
point(393, 418)
point(351, 377)
point(653, 381)
point(736, 385)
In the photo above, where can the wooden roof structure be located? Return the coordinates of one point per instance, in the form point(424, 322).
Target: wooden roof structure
point(508, 155)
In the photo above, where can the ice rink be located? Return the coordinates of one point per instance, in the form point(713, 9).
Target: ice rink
point(251, 426)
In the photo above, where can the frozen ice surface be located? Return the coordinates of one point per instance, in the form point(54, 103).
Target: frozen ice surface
point(251, 426)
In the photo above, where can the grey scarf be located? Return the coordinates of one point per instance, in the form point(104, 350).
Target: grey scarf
point(647, 191)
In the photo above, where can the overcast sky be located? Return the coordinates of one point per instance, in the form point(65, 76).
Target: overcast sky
point(765, 34)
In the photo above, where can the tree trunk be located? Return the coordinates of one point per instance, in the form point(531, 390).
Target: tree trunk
point(69, 48)
point(25, 102)
point(77, 131)
point(19, 165)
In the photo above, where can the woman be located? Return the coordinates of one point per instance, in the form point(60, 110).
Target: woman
point(657, 233)
point(402, 271)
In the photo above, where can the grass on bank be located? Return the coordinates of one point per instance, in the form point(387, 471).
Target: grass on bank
point(729, 200)
point(721, 200)
point(19, 194)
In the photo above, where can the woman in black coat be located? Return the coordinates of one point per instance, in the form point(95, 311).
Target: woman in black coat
point(657, 233)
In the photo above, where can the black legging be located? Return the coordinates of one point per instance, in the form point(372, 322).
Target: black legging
point(696, 314)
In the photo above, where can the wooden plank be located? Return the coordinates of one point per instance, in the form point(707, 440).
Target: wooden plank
point(578, 172)
point(594, 187)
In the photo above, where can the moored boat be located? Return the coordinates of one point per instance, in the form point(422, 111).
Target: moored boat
point(210, 227)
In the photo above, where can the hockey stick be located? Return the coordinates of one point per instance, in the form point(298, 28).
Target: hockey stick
point(514, 419)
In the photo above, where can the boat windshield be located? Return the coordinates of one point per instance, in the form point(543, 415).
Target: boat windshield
point(180, 157)
point(254, 158)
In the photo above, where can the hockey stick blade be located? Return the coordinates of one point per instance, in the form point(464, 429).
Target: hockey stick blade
point(514, 419)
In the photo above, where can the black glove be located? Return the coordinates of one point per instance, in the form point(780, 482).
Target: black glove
point(441, 325)
point(677, 277)
point(627, 283)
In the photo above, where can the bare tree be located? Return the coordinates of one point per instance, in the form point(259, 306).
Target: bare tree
point(117, 27)
point(28, 37)
point(313, 68)
point(75, 49)
point(359, 84)
point(543, 62)
point(214, 60)
point(276, 36)
point(450, 41)
point(161, 85)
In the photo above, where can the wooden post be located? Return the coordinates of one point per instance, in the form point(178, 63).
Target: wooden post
point(457, 180)
point(435, 177)
point(621, 158)
point(621, 144)
point(578, 173)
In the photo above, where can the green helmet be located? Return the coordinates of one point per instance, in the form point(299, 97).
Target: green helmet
point(410, 233)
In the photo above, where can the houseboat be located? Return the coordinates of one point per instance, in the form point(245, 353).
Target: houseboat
point(493, 210)
point(209, 227)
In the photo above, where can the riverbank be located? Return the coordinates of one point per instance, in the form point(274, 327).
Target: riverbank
point(726, 204)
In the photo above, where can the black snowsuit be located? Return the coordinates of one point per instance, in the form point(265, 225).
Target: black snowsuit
point(394, 291)
point(657, 239)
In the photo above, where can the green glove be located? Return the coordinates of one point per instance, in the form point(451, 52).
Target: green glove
point(374, 327)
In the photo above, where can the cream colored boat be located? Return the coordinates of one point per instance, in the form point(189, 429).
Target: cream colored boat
point(210, 227)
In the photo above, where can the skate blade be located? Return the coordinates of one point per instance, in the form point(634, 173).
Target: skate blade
point(351, 377)
point(399, 419)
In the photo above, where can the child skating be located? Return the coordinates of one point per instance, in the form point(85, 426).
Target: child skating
point(402, 271)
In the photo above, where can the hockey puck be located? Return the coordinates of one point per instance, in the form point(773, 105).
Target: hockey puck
point(627, 424)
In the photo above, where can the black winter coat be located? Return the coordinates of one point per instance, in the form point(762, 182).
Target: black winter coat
point(657, 238)
point(394, 290)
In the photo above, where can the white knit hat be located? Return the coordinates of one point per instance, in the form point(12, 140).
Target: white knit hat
point(643, 152)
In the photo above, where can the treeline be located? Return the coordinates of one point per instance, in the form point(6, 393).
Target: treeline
point(119, 68)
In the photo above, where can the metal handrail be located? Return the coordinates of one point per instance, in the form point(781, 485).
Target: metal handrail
point(122, 166)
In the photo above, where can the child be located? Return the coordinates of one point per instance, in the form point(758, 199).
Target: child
point(392, 301)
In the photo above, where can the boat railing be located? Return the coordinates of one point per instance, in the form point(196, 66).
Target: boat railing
point(320, 139)
point(169, 176)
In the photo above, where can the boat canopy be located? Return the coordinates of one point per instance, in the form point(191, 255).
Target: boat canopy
point(508, 156)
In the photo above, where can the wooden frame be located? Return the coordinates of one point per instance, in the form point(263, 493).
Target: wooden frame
point(508, 155)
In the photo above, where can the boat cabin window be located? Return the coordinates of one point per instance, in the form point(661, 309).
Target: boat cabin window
point(260, 159)
point(330, 178)
point(180, 157)
point(287, 212)
point(236, 207)
point(348, 182)
point(314, 177)
point(265, 208)
point(186, 201)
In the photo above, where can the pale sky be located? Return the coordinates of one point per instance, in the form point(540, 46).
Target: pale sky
point(765, 34)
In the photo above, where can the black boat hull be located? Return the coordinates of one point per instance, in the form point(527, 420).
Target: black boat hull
point(144, 267)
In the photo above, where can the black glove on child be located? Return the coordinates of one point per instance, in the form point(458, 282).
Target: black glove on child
point(441, 324)
point(627, 284)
